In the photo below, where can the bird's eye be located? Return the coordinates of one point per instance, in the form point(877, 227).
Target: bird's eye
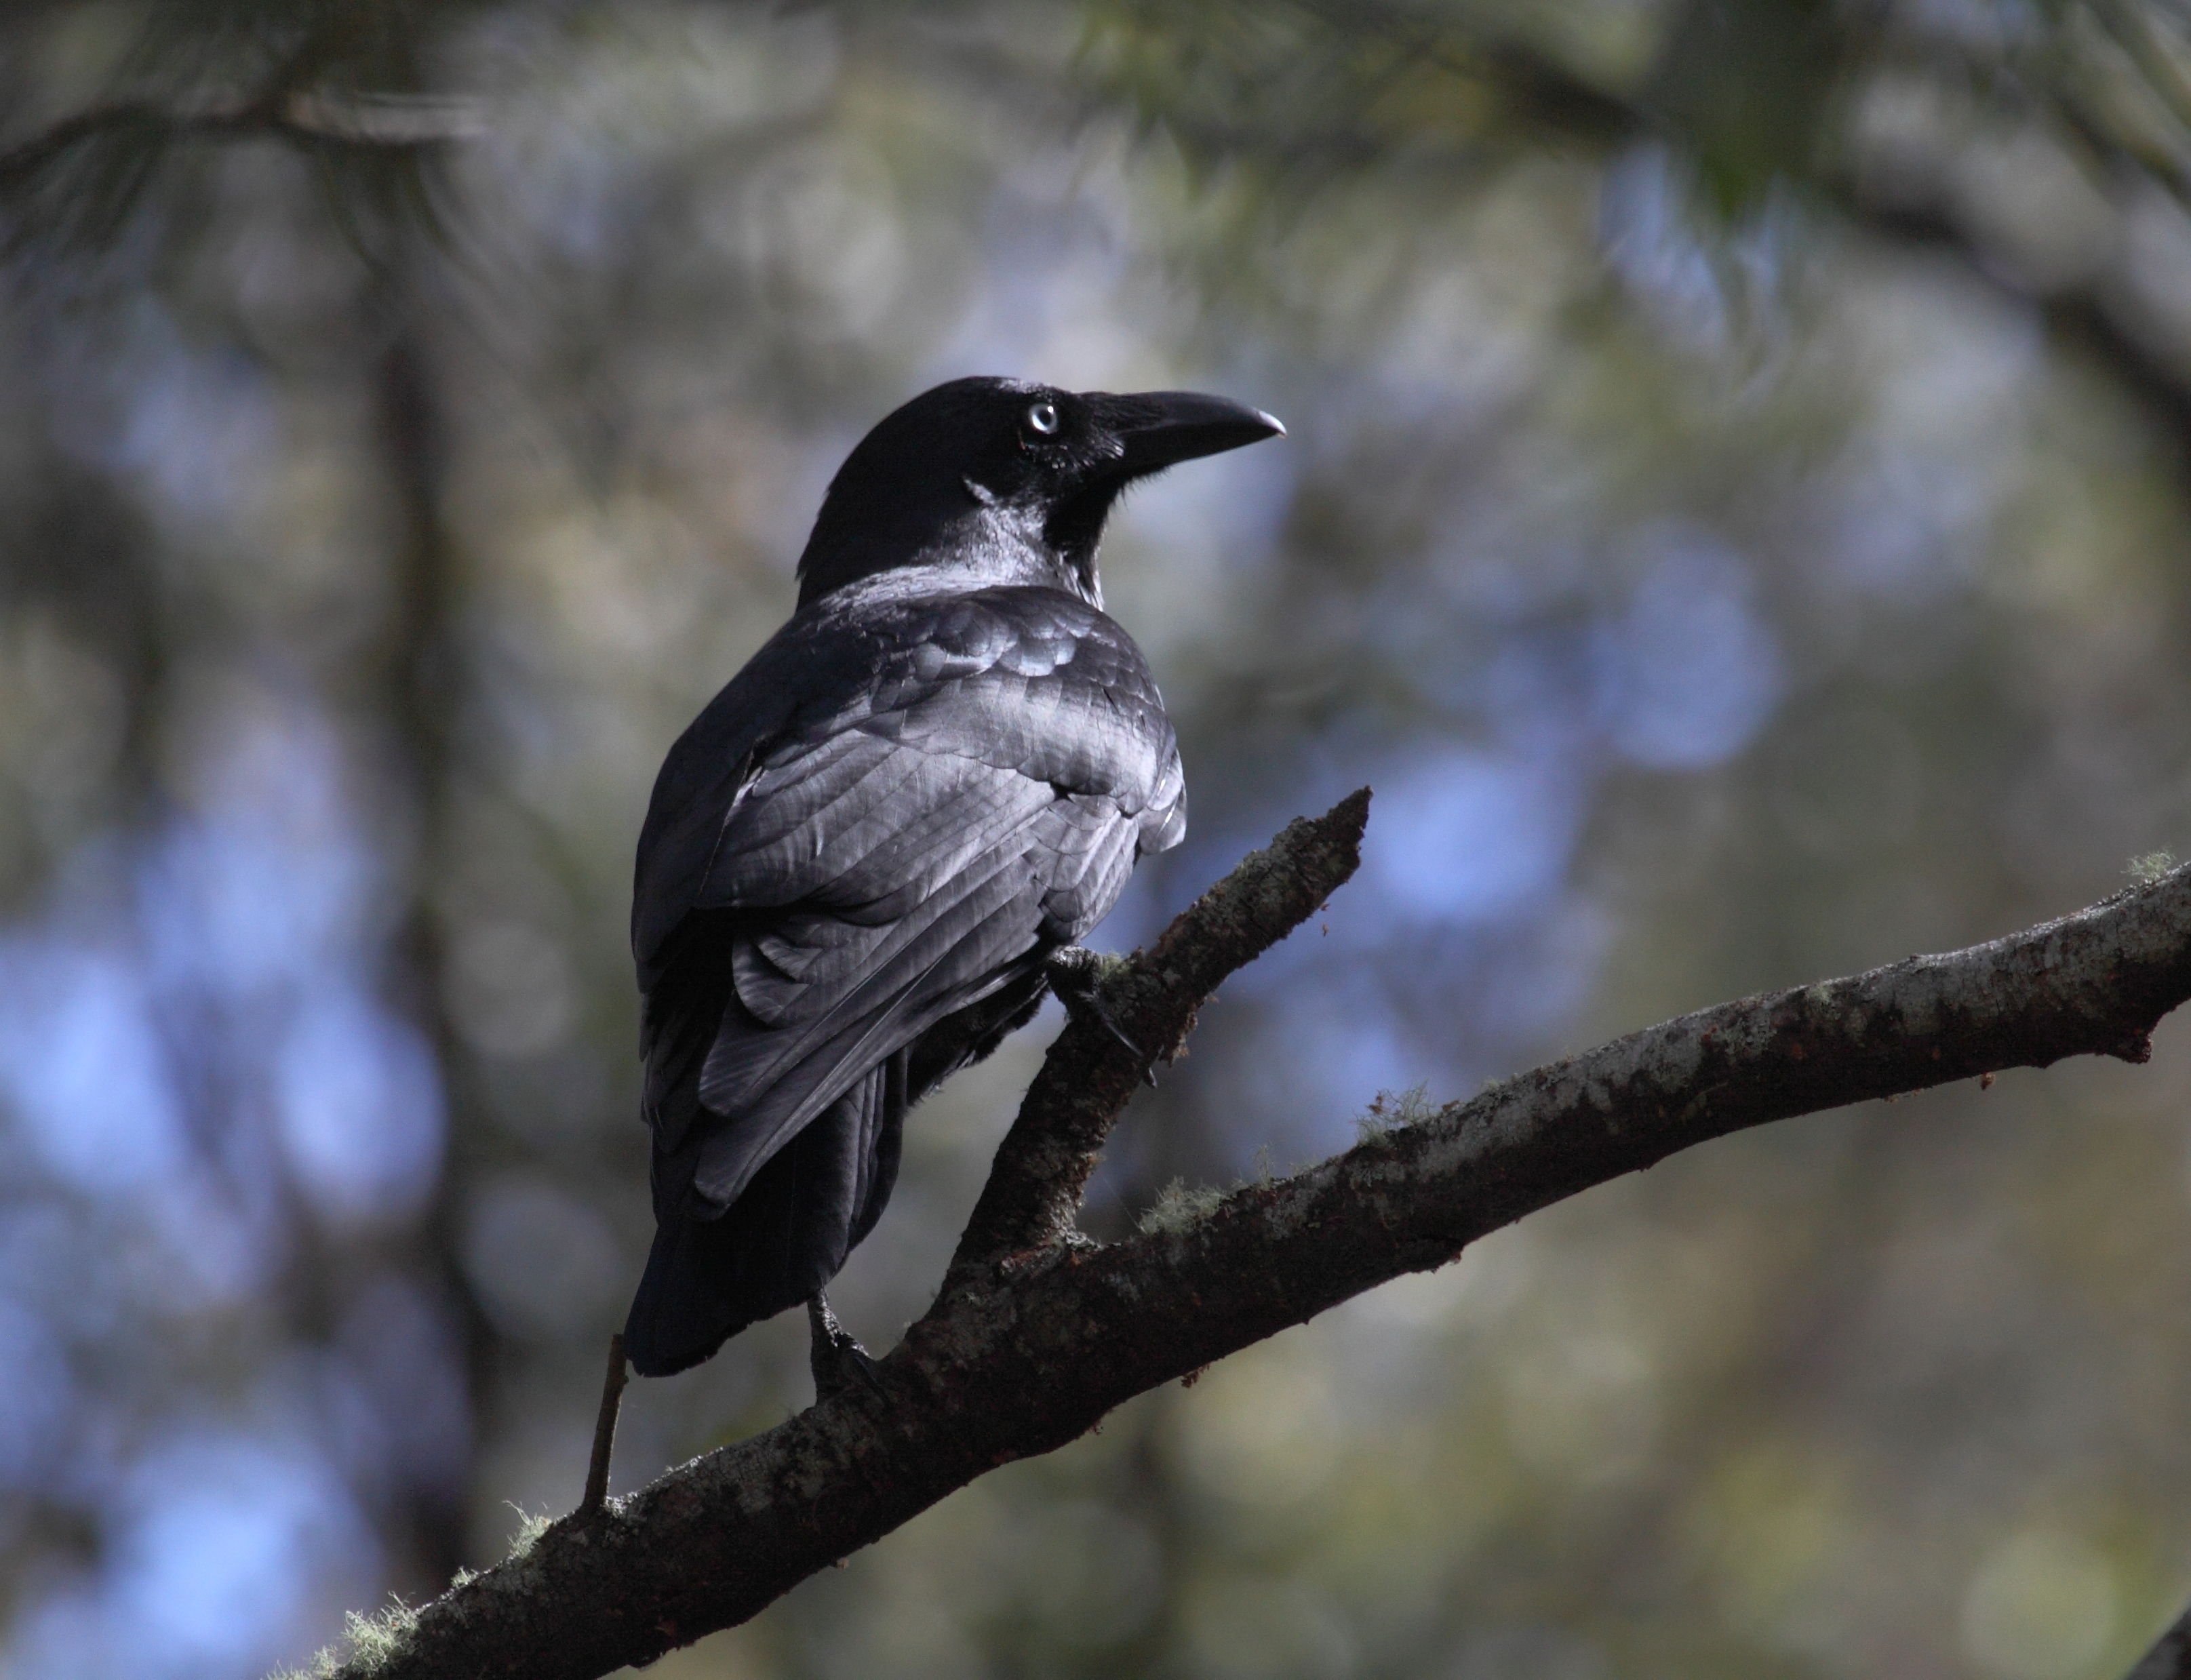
point(1042, 418)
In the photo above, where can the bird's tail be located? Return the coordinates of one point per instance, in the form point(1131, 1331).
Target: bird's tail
point(782, 1240)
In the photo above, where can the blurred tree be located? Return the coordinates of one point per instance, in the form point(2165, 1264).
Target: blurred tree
point(1735, 515)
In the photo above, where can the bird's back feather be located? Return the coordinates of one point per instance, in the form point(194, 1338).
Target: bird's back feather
point(888, 819)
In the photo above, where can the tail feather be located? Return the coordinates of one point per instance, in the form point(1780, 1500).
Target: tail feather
point(785, 1237)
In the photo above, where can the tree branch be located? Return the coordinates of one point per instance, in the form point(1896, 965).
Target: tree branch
point(1032, 1345)
point(2097, 313)
point(2091, 315)
point(300, 118)
point(1034, 1191)
point(2170, 1659)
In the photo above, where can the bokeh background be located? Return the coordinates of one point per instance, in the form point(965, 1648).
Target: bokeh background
point(1734, 515)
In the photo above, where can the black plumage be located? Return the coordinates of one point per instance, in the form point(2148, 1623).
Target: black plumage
point(861, 857)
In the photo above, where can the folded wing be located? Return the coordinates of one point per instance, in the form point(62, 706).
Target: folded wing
point(925, 823)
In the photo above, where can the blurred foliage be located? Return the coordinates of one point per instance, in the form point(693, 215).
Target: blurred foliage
point(1734, 514)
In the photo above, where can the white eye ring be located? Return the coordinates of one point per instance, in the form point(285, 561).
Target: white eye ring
point(1043, 418)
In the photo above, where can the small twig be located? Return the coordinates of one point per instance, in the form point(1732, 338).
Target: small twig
point(597, 1468)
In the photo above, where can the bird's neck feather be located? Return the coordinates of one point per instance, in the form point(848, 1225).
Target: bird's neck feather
point(987, 546)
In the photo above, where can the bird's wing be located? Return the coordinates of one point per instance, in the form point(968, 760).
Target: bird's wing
point(966, 788)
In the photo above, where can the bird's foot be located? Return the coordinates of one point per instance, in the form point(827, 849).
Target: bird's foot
point(1076, 974)
point(836, 1357)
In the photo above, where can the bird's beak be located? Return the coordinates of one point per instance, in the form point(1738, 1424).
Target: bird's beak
point(1159, 429)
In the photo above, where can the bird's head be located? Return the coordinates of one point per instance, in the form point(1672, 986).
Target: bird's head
point(996, 475)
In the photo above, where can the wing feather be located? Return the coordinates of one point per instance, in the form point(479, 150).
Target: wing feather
point(887, 817)
point(960, 957)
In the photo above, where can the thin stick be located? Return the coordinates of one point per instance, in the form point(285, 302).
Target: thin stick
point(597, 1471)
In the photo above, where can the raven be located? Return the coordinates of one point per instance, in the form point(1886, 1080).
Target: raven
point(865, 860)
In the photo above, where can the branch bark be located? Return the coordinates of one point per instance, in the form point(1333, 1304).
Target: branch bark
point(2170, 1659)
point(1041, 1331)
point(1034, 1191)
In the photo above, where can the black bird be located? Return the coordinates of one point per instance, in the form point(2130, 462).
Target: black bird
point(866, 858)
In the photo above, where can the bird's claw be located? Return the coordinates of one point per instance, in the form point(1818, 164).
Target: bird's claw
point(1075, 973)
point(835, 1355)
